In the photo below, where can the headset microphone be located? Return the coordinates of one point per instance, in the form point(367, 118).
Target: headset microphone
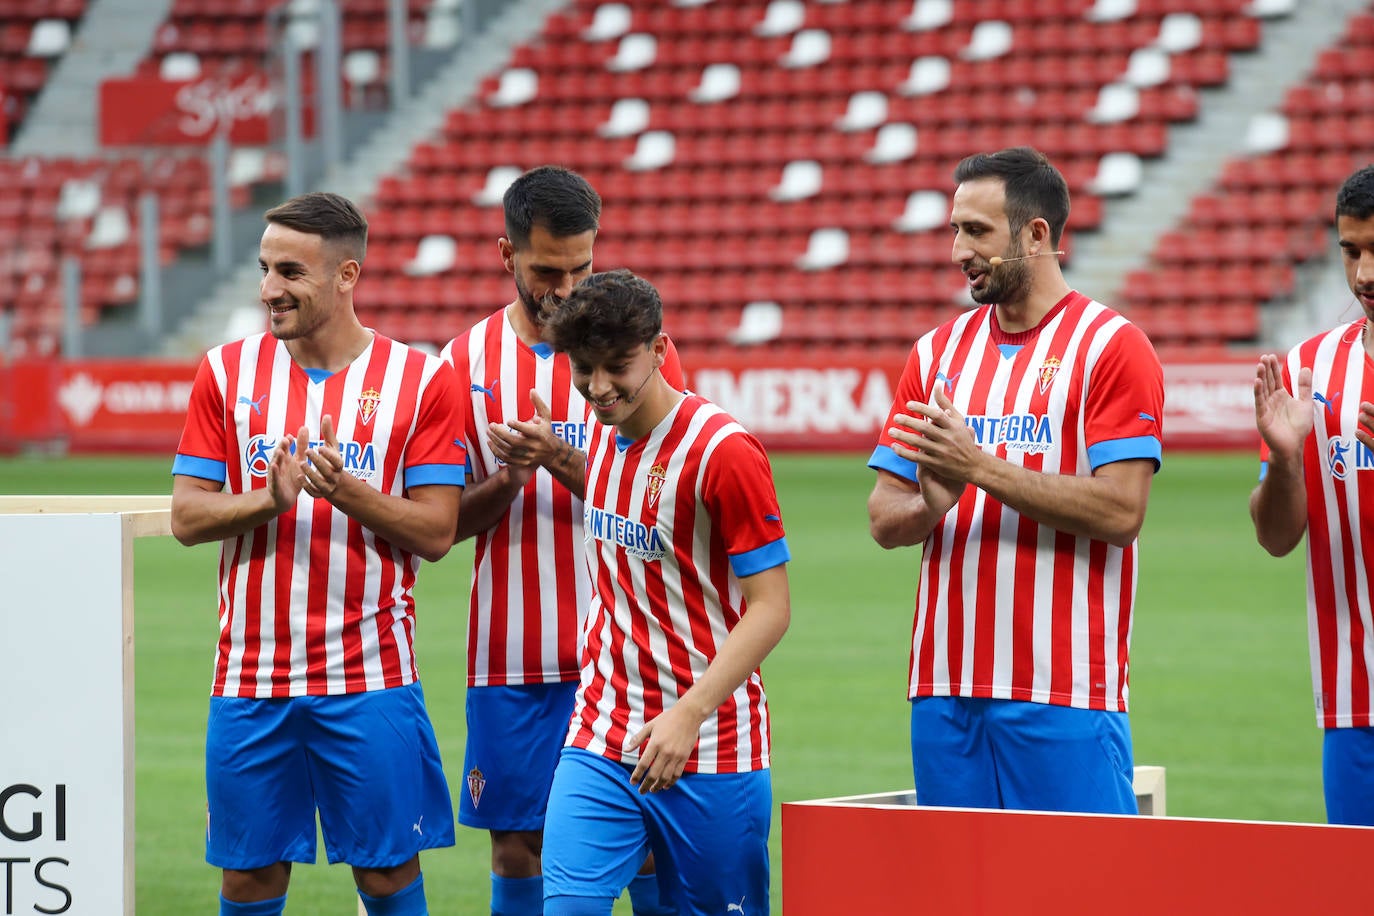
point(998, 259)
point(630, 398)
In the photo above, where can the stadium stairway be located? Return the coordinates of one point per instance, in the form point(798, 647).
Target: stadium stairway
point(231, 310)
point(1198, 150)
point(113, 36)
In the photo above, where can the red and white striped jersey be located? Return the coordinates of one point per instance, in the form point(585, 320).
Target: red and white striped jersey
point(1007, 607)
point(529, 581)
point(312, 602)
point(673, 521)
point(530, 587)
point(1339, 475)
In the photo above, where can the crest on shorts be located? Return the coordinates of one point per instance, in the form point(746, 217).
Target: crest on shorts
point(476, 783)
point(367, 404)
point(657, 475)
point(1048, 370)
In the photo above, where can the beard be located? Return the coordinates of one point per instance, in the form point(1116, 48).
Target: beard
point(1007, 282)
point(296, 328)
point(537, 310)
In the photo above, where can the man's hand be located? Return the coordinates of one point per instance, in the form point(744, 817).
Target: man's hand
point(675, 732)
point(937, 438)
point(525, 443)
point(323, 467)
point(1284, 421)
point(284, 477)
point(1362, 432)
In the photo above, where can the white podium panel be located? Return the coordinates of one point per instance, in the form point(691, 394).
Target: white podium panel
point(66, 675)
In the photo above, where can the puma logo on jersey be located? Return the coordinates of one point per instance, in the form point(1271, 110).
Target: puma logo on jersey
point(736, 907)
point(1328, 402)
point(949, 380)
point(256, 405)
point(416, 826)
point(490, 391)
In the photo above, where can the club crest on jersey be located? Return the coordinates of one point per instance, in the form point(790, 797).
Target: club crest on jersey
point(476, 783)
point(1048, 370)
point(367, 404)
point(658, 474)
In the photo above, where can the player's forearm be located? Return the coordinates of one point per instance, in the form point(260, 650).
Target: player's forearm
point(421, 523)
point(1278, 508)
point(569, 467)
point(485, 503)
point(200, 515)
point(1107, 508)
point(900, 518)
point(759, 630)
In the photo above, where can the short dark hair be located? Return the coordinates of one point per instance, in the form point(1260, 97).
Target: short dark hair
point(1034, 187)
point(332, 217)
point(1356, 196)
point(609, 312)
point(560, 200)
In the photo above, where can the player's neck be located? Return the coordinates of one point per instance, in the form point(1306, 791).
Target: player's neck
point(1027, 312)
point(523, 325)
point(656, 401)
point(331, 348)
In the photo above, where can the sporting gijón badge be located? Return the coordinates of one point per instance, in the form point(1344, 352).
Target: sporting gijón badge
point(476, 783)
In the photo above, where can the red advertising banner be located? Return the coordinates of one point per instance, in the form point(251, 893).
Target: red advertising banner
point(825, 405)
point(140, 111)
point(822, 406)
point(1210, 404)
point(840, 406)
point(95, 405)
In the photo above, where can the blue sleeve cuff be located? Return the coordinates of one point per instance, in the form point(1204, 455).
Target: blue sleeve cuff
point(760, 558)
point(1124, 450)
point(885, 459)
point(424, 475)
point(204, 468)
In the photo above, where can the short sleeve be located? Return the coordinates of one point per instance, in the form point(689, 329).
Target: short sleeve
point(1124, 406)
point(437, 453)
point(910, 387)
point(201, 451)
point(739, 493)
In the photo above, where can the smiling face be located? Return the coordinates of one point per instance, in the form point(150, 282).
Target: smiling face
point(1357, 256)
point(978, 217)
point(303, 281)
point(624, 387)
point(547, 269)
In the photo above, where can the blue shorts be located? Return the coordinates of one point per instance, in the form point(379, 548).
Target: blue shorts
point(368, 762)
point(971, 752)
point(708, 834)
point(1348, 776)
point(514, 736)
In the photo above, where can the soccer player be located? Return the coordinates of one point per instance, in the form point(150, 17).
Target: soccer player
point(327, 459)
point(1019, 453)
point(668, 748)
point(526, 437)
point(1314, 414)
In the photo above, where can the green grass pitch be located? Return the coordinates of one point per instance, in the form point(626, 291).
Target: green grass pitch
point(1220, 689)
